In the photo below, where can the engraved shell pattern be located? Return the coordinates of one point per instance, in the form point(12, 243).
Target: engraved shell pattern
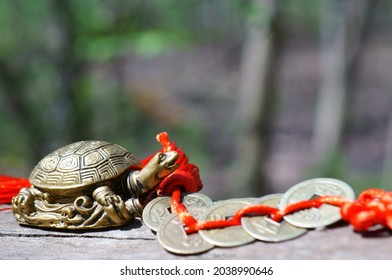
point(81, 164)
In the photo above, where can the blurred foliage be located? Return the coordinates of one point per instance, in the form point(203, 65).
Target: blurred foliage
point(51, 93)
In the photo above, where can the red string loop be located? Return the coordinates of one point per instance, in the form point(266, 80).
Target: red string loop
point(186, 176)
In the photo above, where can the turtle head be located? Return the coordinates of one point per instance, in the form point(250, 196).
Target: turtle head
point(159, 166)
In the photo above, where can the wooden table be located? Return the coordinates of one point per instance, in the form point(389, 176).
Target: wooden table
point(136, 241)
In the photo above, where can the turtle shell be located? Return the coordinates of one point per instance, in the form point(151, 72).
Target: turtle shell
point(78, 166)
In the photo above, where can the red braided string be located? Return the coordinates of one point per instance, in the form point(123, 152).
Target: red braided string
point(180, 209)
point(235, 220)
point(372, 207)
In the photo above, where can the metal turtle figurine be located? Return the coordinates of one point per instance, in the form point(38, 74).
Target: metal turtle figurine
point(89, 184)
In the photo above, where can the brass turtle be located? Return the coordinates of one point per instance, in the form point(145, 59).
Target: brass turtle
point(89, 184)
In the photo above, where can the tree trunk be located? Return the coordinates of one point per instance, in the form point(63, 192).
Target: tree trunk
point(343, 31)
point(73, 97)
point(332, 96)
point(255, 94)
point(17, 104)
point(386, 178)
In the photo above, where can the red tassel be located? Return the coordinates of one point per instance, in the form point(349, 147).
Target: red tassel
point(9, 187)
point(373, 206)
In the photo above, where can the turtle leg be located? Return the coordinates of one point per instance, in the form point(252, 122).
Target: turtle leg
point(23, 202)
point(134, 206)
point(113, 205)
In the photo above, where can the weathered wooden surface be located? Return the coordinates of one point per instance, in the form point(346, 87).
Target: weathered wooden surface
point(136, 241)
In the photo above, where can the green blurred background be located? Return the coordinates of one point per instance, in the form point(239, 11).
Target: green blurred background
point(260, 94)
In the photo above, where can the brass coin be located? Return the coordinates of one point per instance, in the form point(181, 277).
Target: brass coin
point(158, 209)
point(315, 217)
point(265, 229)
point(172, 236)
point(228, 236)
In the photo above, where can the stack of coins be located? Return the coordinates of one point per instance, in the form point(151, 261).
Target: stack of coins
point(171, 233)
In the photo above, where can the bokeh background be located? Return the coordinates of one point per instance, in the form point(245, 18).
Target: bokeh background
point(260, 94)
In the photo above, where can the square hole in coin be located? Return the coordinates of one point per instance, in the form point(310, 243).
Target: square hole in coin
point(228, 217)
point(315, 196)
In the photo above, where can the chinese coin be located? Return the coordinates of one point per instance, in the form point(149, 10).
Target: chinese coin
point(265, 229)
point(158, 209)
point(228, 236)
point(172, 236)
point(310, 189)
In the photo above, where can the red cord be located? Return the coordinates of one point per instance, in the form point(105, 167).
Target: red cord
point(373, 207)
point(10, 186)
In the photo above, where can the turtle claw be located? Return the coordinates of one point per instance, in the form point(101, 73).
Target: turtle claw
point(118, 213)
point(24, 201)
point(113, 205)
point(112, 199)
